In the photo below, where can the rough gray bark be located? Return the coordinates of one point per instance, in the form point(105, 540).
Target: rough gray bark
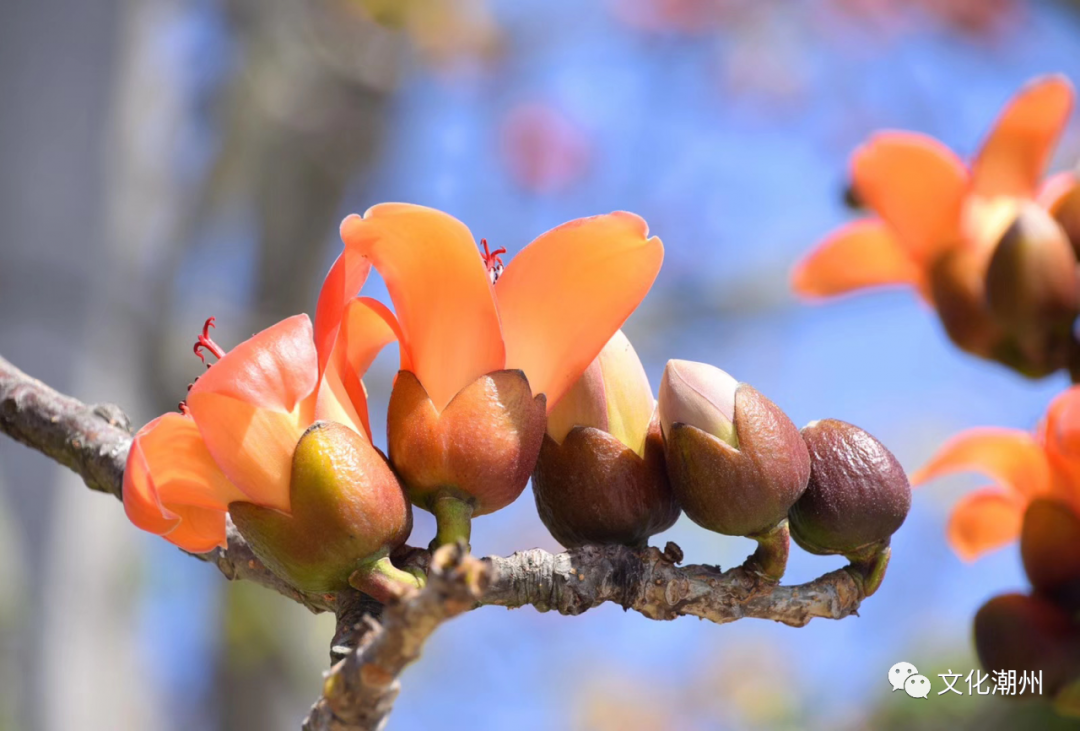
point(360, 689)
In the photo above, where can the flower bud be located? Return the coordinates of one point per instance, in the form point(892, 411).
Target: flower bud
point(1031, 282)
point(347, 513)
point(857, 496)
point(600, 478)
point(1050, 549)
point(958, 289)
point(1066, 211)
point(1028, 634)
point(736, 462)
point(473, 457)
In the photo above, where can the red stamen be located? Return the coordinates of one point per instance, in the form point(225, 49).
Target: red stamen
point(184, 409)
point(492, 261)
point(205, 342)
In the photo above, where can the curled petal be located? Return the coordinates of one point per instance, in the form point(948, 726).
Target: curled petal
point(170, 476)
point(917, 185)
point(1015, 155)
point(366, 328)
point(859, 255)
point(1010, 456)
point(984, 520)
point(440, 289)
point(564, 296)
point(346, 277)
point(252, 407)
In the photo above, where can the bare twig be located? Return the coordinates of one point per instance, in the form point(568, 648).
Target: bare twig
point(648, 581)
point(360, 689)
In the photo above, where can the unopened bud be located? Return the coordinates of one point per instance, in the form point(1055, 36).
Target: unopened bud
point(857, 496)
point(1032, 281)
point(1028, 634)
point(1050, 549)
point(600, 477)
point(736, 462)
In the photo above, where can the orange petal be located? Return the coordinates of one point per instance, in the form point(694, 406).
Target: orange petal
point(564, 296)
point(916, 184)
point(861, 254)
point(169, 470)
point(252, 407)
point(984, 520)
point(346, 277)
point(199, 531)
point(1011, 456)
point(440, 289)
point(367, 327)
point(1015, 155)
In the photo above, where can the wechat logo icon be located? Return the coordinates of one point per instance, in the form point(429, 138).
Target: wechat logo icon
point(905, 676)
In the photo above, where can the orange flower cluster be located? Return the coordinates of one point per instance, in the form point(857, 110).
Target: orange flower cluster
point(506, 373)
point(994, 249)
point(1036, 499)
point(991, 246)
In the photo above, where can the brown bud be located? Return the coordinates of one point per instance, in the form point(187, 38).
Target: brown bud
point(1028, 634)
point(958, 288)
point(740, 491)
point(594, 489)
point(472, 458)
point(1050, 549)
point(600, 477)
point(857, 496)
point(1066, 211)
point(347, 511)
point(1031, 281)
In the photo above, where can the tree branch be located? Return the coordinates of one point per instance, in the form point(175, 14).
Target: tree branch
point(649, 582)
point(360, 689)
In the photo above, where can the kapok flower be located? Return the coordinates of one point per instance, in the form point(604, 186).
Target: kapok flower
point(937, 223)
point(1025, 467)
point(600, 478)
point(269, 436)
point(483, 349)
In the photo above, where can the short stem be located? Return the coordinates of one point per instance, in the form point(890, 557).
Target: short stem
point(383, 581)
point(770, 559)
point(453, 520)
point(868, 567)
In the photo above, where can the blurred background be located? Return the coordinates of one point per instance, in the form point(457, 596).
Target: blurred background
point(163, 161)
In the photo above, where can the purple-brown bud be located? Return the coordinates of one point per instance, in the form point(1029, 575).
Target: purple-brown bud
point(1028, 634)
point(857, 496)
point(1033, 290)
point(736, 462)
point(600, 478)
point(347, 514)
point(1050, 549)
point(472, 458)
